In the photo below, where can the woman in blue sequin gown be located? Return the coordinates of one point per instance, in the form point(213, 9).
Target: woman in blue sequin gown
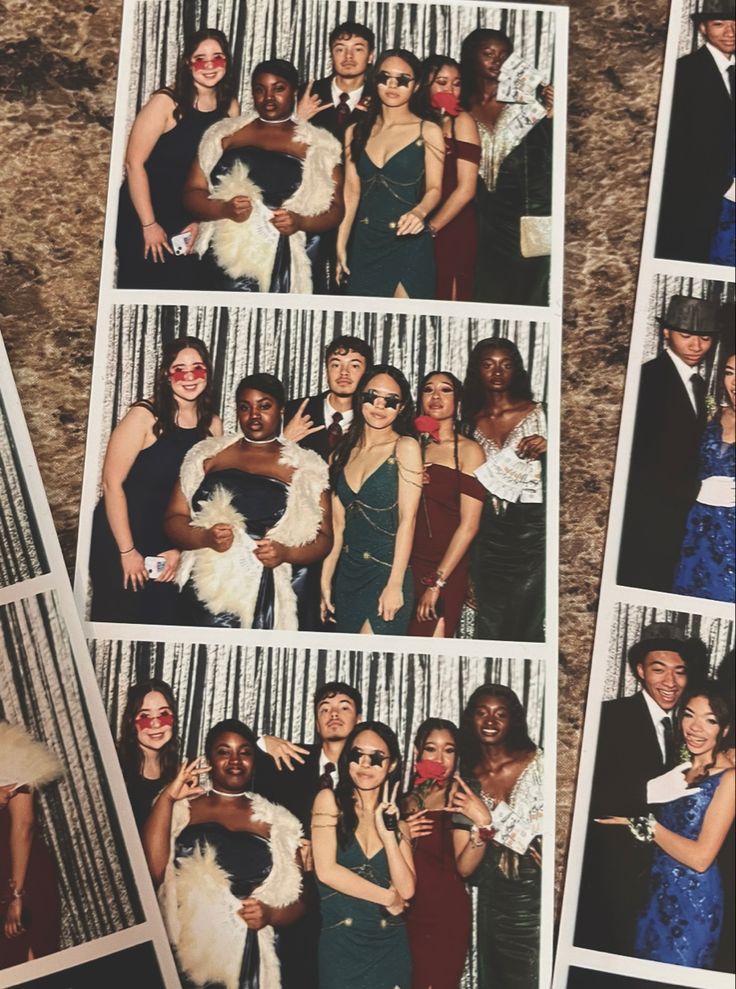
point(707, 567)
point(681, 923)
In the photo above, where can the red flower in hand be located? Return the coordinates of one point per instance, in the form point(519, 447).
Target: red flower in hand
point(428, 428)
point(426, 770)
point(447, 102)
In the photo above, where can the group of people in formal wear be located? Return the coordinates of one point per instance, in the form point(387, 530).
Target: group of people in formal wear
point(355, 510)
point(309, 866)
point(679, 518)
point(392, 177)
point(658, 870)
point(697, 220)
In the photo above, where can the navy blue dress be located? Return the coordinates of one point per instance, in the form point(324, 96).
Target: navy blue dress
point(706, 568)
point(681, 923)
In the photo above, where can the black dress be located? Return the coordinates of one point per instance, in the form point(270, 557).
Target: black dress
point(147, 488)
point(167, 169)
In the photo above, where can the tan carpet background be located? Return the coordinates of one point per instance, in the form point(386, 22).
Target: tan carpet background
point(58, 64)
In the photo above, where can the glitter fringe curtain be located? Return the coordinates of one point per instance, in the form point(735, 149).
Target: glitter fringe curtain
point(21, 551)
point(39, 688)
point(630, 619)
point(271, 690)
point(299, 31)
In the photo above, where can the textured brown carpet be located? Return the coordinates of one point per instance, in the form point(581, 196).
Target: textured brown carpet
point(58, 67)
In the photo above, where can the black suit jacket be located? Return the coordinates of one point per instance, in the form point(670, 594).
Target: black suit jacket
point(699, 162)
point(328, 118)
point(294, 789)
point(663, 477)
point(615, 877)
point(315, 408)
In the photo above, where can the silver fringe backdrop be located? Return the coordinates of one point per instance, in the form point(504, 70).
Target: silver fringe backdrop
point(21, 549)
point(663, 288)
point(298, 30)
point(630, 619)
point(272, 689)
point(291, 345)
point(690, 38)
point(40, 689)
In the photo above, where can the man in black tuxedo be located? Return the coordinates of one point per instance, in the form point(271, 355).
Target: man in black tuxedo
point(338, 707)
point(636, 744)
point(670, 419)
point(699, 164)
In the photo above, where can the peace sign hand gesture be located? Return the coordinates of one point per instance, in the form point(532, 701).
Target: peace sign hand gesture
point(387, 813)
point(186, 782)
point(466, 802)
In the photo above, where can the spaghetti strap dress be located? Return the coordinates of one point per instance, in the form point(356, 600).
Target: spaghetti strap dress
point(371, 523)
point(456, 244)
point(378, 259)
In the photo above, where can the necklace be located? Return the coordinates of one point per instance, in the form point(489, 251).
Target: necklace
point(274, 439)
point(282, 121)
point(245, 793)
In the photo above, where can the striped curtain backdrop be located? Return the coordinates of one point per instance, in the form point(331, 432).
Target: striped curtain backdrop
point(630, 619)
point(21, 549)
point(663, 288)
point(272, 689)
point(291, 344)
point(40, 689)
point(298, 30)
point(690, 38)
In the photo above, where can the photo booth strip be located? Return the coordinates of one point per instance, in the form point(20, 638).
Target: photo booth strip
point(47, 686)
point(624, 611)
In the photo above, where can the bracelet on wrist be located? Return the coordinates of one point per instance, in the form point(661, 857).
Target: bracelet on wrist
point(642, 828)
point(144, 226)
point(126, 551)
point(432, 231)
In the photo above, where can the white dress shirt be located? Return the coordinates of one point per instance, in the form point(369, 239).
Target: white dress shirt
point(686, 372)
point(353, 96)
point(347, 416)
point(656, 714)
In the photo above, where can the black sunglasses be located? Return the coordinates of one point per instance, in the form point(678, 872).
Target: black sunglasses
point(389, 401)
point(401, 79)
point(375, 758)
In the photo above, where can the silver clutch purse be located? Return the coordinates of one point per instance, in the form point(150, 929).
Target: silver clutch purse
point(535, 234)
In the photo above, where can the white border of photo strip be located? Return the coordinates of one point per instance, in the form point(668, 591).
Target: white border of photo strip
point(568, 954)
point(56, 580)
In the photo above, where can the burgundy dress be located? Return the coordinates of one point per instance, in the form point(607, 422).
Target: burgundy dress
point(437, 519)
point(440, 917)
point(41, 907)
point(456, 245)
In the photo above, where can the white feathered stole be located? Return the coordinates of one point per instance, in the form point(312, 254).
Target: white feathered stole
point(228, 582)
point(24, 761)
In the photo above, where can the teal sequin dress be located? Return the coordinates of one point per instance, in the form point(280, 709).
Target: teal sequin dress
point(371, 522)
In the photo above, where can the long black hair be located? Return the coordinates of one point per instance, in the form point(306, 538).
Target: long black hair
point(129, 751)
point(164, 405)
point(345, 790)
point(517, 740)
point(720, 705)
point(370, 94)
point(469, 86)
point(184, 92)
point(430, 70)
point(403, 424)
point(474, 395)
point(420, 740)
point(457, 390)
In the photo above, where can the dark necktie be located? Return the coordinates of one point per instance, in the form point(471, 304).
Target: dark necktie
point(730, 73)
point(343, 110)
point(669, 743)
point(325, 780)
point(334, 431)
point(698, 386)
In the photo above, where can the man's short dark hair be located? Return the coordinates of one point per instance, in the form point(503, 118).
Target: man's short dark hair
point(344, 344)
point(335, 687)
point(351, 29)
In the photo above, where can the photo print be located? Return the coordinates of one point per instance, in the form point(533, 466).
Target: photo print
point(264, 152)
point(653, 895)
point(480, 508)
point(340, 707)
point(133, 965)
point(678, 520)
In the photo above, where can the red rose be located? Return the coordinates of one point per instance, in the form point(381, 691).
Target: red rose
point(428, 427)
point(447, 102)
point(427, 770)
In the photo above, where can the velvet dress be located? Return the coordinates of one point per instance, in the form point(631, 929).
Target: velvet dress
point(456, 244)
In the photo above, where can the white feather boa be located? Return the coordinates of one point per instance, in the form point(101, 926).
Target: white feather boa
point(201, 914)
point(24, 761)
point(249, 248)
point(228, 582)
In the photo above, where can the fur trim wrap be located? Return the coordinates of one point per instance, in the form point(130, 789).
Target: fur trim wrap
point(24, 761)
point(201, 914)
point(228, 582)
point(248, 249)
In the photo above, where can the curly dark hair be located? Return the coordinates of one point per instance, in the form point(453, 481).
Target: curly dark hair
point(474, 395)
point(517, 740)
point(363, 128)
point(468, 51)
point(403, 424)
point(164, 406)
point(720, 705)
point(129, 751)
point(184, 93)
point(345, 789)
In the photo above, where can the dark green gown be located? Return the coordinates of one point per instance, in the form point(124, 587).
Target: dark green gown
point(361, 946)
point(378, 259)
point(371, 521)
